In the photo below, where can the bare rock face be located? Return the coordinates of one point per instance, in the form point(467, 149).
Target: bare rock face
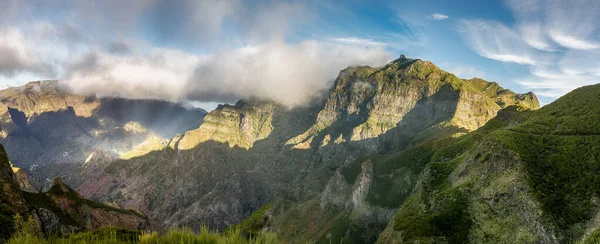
point(238, 126)
point(26, 182)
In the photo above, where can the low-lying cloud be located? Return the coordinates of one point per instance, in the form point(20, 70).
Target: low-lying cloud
point(290, 74)
point(207, 51)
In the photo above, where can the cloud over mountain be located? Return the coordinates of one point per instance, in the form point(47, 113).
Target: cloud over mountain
point(210, 51)
point(288, 74)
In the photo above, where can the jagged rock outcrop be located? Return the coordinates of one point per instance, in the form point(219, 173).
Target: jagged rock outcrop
point(26, 182)
point(61, 210)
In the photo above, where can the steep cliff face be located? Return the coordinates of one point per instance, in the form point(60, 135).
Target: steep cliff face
point(347, 162)
point(51, 132)
point(525, 177)
point(368, 102)
point(238, 126)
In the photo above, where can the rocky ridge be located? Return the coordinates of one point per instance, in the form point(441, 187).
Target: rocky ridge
point(309, 159)
point(336, 170)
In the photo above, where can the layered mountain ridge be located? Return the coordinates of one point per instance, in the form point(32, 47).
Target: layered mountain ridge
point(59, 128)
point(306, 159)
point(337, 169)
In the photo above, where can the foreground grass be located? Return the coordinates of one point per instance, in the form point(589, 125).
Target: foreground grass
point(119, 236)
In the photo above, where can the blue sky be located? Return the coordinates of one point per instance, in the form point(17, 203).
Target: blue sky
point(211, 51)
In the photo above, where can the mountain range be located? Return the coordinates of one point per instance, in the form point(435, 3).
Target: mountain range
point(401, 153)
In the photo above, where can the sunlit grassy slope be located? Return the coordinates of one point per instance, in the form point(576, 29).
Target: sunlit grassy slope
point(120, 236)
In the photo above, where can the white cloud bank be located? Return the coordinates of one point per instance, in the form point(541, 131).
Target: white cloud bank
point(243, 52)
point(559, 40)
point(290, 74)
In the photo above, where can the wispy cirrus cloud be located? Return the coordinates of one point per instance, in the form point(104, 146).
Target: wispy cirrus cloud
point(558, 40)
point(437, 16)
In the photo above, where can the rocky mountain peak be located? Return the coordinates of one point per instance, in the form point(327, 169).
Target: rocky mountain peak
point(372, 101)
point(401, 59)
point(61, 210)
point(368, 102)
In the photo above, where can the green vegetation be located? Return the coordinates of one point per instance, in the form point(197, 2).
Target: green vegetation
point(594, 238)
point(6, 216)
point(576, 113)
point(564, 173)
point(395, 175)
point(61, 191)
point(253, 225)
point(11, 203)
point(114, 235)
point(558, 147)
point(344, 230)
point(439, 213)
point(26, 228)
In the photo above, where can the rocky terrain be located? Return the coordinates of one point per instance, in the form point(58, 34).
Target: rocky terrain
point(59, 211)
point(402, 153)
point(338, 169)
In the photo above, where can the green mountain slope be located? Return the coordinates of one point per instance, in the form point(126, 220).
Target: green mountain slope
point(525, 177)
